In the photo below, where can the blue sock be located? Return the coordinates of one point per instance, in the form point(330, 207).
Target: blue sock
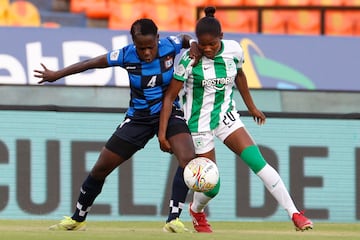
point(90, 189)
point(178, 195)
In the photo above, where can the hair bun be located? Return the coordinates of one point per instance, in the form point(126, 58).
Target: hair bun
point(209, 11)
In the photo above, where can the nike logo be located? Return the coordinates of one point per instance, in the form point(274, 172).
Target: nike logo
point(206, 68)
point(275, 184)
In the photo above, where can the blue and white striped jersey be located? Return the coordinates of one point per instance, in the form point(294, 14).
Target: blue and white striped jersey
point(148, 80)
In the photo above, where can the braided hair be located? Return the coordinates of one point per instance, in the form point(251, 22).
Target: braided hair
point(208, 24)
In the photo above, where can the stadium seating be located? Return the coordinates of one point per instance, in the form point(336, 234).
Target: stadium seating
point(23, 13)
point(181, 15)
point(98, 9)
point(345, 23)
point(304, 22)
point(327, 2)
point(274, 22)
point(123, 14)
point(4, 5)
point(225, 2)
point(352, 3)
point(293, 2)
point(260, 2)
point(240, 21)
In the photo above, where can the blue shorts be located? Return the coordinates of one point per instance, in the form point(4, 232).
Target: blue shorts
point(134, 133)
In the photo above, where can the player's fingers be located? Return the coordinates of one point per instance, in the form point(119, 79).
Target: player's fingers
point(43, 66)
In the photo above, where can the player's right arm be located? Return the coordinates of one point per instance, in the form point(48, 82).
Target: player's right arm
point(47, 75)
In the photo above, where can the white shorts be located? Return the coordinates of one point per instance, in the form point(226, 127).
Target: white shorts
point(204, 141)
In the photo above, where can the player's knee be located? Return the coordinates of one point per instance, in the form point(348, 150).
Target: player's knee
point(213, 192)
point(253, 158)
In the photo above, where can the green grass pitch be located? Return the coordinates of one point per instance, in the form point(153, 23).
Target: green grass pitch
point(37, 230)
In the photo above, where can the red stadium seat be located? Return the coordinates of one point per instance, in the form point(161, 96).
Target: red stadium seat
point(78, 6)
point(166, 16)
point(355, 3)
point(274, 22)
point(23, 13)
point(124, 13)
point(260, 2)
point(339, 23)
point(327, 2)
point(304, 22)
point(293, 2)
point(239, 21)
point(226, 2)
point(4, 6)
point(98, 9)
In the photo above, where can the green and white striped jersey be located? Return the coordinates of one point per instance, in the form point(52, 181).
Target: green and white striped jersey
point(208, 86)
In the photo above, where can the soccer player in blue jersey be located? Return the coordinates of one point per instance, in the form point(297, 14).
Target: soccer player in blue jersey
point(149, 62)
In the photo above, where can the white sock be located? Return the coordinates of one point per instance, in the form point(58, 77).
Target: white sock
point(200, 201)
point(276, 187)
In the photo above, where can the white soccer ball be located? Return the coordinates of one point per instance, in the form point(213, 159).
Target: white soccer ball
point(201, 174)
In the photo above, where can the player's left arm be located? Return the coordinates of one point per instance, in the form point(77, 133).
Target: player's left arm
point(241, 84)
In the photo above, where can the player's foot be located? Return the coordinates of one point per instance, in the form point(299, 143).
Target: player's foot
point(301, 222)
point(175, 226)
point(68, 224)
point(199, 221)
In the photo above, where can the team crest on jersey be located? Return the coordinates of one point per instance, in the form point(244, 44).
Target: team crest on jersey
point(180, 70)
point(114, 55)
point(169, 61)
point(230, 65)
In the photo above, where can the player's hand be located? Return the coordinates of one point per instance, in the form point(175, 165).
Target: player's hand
point(46, 75)
point(194, 54)
point(164, 145)
point(258, 116)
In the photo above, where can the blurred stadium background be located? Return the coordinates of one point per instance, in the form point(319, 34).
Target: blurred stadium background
point(328, 17)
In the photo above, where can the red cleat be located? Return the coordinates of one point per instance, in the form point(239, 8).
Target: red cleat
point(301, 222)
point(199, 221)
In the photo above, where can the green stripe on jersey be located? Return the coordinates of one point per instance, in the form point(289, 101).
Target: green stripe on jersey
point(197, 96)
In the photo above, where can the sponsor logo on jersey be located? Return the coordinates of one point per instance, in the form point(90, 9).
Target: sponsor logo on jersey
point(218, 83)
point(114, 55)
point(169, 61)
point(180, 70)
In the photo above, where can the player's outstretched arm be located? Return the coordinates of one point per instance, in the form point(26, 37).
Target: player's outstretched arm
point(47, 75)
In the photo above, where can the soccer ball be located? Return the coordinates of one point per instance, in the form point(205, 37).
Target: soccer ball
point(201, 174)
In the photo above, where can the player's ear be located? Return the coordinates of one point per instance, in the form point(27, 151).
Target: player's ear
point(221, 35)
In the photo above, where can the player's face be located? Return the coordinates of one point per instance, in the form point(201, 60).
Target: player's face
point(209, 45)
point(146, 46)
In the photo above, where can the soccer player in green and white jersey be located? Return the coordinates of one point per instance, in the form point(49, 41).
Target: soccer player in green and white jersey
point(210, 111)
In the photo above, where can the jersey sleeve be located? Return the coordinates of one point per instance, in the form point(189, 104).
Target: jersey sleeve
point(237, 52)
point(183, 68)
point(176, 42)
point(115, 57)
point(240, 57)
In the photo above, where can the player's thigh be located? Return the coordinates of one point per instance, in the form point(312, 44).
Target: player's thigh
point(106, 163)
point(210, 155)
point(233, 133)
point(239, 140)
